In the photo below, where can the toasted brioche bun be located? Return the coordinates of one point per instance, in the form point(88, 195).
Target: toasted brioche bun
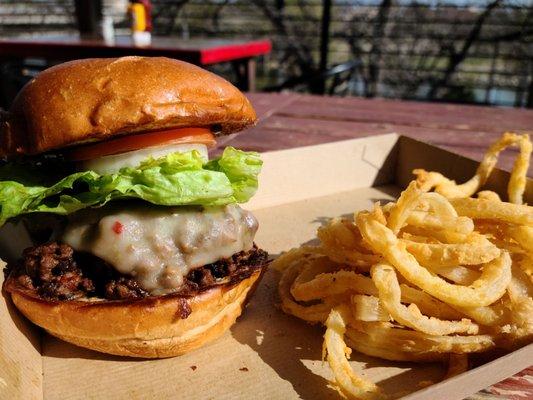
point(154, 327)
point(95, 99)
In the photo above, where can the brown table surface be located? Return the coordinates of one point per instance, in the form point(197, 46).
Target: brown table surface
point(291, 120)
point(294, 120)
point(200, 51)
point(197, 51)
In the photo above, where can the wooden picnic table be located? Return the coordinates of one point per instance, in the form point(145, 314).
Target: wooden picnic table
point(289, 120)
point(203, 52)
point(293, 120)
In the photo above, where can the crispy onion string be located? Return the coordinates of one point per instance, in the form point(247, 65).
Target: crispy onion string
point(430, 277)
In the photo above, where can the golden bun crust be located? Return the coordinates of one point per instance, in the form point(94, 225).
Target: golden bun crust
point(95, 99)
point(148, 328)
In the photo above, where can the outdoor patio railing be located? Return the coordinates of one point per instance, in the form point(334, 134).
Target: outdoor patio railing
point(471, 51)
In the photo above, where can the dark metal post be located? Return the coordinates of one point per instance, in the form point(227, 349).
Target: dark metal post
point(492, 73)
point(529, 103)
point(88, 17)
point(324, 44)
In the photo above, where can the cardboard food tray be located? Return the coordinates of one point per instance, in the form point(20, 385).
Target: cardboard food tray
point(267, 354)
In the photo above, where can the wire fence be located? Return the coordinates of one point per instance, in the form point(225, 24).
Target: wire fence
point(472, 51)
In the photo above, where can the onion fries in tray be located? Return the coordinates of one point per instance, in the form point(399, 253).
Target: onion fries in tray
point(432, 277)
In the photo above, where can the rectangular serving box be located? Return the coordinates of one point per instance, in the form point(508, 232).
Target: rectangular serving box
point(267, 354)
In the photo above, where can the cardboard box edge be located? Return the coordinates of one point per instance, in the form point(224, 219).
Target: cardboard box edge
point(428, 393)
point(525, 355)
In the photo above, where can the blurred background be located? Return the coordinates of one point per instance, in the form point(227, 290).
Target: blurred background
point(465, 51)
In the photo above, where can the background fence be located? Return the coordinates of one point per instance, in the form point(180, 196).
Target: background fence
point(461, 50)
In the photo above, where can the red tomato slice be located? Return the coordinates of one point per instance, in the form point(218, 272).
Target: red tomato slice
point(141, 141)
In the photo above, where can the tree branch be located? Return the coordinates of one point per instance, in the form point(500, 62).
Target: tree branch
point(457, 57)
point(375, 51)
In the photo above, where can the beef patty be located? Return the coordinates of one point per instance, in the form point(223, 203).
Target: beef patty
point(55, 271)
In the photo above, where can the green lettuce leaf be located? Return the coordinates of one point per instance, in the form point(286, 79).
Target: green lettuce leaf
point(176, 179)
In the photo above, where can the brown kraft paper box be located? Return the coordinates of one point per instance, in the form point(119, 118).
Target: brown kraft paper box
point(266, 354)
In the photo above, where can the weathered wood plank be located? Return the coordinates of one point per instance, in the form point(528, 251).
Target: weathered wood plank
point(430, 115)
point(333, 129)
point(267, 104)
point(293, 120)
point(267, 139)
point(406, 105)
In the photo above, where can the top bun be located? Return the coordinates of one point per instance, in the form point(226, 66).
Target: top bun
point(95, 99)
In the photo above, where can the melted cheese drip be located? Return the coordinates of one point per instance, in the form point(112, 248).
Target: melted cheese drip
point(159, 246)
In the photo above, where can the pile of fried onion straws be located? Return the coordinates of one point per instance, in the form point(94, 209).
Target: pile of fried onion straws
point(432, 277)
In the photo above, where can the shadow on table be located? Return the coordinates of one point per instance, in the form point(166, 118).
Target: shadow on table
point(282, 341)
point(293, 348)
point(56, 348)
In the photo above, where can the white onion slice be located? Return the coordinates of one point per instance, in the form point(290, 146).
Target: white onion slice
point(113, 163)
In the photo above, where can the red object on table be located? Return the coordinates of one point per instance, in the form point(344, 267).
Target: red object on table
point(201, 52)
point(292, 120)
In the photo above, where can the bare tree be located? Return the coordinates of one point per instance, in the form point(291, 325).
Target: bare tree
point(456, 57)
point(297, 49)
point(165, 15)
point(408, 49)
point(416, 50)
point(374, 59)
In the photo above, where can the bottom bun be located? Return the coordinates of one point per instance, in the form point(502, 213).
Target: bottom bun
point(156, 327)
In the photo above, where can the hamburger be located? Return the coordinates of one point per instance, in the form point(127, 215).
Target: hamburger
point(139, 245)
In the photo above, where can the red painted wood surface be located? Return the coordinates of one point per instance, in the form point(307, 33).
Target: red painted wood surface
point(197, 51)
point(293, 120)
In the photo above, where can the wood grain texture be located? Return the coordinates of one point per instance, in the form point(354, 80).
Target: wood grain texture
point(294, 120)
point(290, 120)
